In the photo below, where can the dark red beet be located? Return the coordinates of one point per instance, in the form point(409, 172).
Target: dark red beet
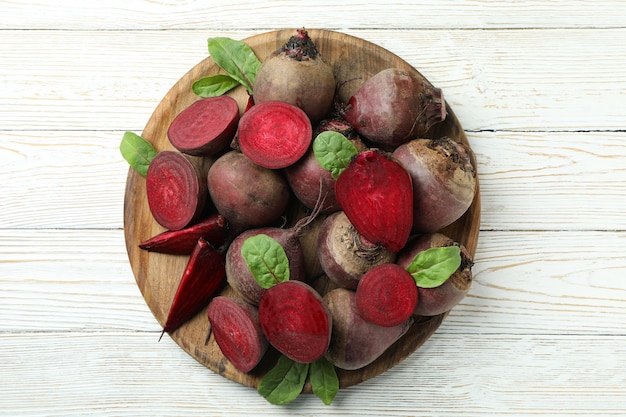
point(395, 106)
point(376, 194)
point(356, 342)
point(246, 194)
point(386, 295)
point(237, 331)
point(176, 189)
point(433, 301)
point(306, 177)
point(296, 321)
point(181, 242)
point(206, 127)
point(238, 274)
point(274, 134)
point(444, 181)
point(203, 276)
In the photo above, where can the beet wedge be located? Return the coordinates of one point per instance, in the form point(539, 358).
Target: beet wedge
point(203, 276)
point(206, 127)
point(181, 242)
point(376, 194)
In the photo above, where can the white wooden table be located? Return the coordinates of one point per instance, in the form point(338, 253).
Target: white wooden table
point(540, 88)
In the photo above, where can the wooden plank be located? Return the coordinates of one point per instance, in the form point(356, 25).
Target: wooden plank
point(131, 374)
point(144, 14)
point(528, 180)
point(494, 80)
point(525, 283)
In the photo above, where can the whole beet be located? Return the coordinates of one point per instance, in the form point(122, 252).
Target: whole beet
point(356, 342)
point(444, 181)
point(433, 301)
point(297, 74)
point(238, 273)
point(394, 106)
point(246, 194)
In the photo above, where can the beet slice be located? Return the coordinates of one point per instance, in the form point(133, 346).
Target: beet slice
point(386, 295)
point(296, 321)
point(176, 189)
point(376, 194)
point(206, 127)
point(181, 242)
point(203, 276)
point(237, 332)
point(274, 134)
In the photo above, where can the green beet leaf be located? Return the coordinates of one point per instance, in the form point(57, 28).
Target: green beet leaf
point(432, 267)
point(333, 151)
point(324, 380)
point(284, 382)
point(266, 259)
point(236, 58)
point(214, 86)
point(137, 151)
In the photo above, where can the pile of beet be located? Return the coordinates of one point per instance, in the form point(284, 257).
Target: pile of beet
point(236, 176)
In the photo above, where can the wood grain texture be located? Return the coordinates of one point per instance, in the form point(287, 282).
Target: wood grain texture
point(396, 15)
point(545, 375)
point(514, 79)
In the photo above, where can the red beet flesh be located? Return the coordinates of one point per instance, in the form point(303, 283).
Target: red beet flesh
point(274, 134)
point(206, 127)
point(237, 331)
point(386, 295)
point(176, 189)
point(203, 276)
point(376, 194)
point(181, 242)
point(296, 321)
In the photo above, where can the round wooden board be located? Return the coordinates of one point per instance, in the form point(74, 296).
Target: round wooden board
point(354, 60)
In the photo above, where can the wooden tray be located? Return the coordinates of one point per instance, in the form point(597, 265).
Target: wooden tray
point(157, 275)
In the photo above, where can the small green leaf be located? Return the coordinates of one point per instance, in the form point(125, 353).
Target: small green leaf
point(333, 151)
point(266, 259)
point(432, 267)
point(214, 86)
point(284, 382)
point(236, 58)
point(137, 151)
point(324, 380)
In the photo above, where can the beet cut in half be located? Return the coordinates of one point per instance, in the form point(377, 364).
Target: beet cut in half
point(376, 194)
point(206, 127)
point(237, 332)
point(176, 190)
point(274, 134)
point(386, 295)
point(296, 321)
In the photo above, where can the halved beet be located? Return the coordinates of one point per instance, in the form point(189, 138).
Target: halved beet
point(296, 321)
point(206, 127)
point(376, 194)
point(176, 189)
point(386, 295)
point(237, 331)
point(274, 134)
